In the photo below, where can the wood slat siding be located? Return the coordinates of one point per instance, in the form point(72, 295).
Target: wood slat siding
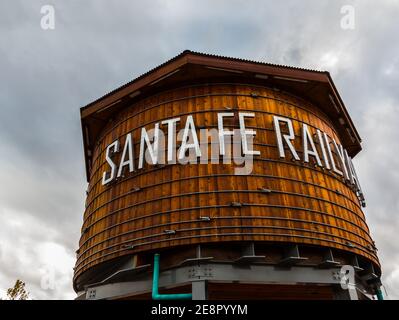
point(307, 205)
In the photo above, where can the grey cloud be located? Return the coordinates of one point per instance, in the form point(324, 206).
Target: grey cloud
point(98, 45)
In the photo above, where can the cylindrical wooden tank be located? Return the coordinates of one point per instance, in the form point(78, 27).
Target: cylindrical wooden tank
point(281, 201)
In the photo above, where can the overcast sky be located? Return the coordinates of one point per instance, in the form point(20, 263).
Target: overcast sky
point(96, 46)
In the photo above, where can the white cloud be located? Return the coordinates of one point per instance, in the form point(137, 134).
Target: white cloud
point(29, 252)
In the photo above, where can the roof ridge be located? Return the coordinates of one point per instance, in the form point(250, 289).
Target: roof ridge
point(253, 61)
point(187, 51)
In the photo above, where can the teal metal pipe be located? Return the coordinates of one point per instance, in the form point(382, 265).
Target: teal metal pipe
point(379, 294)
point(155, 282)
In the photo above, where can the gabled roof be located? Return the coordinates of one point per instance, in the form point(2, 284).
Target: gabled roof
point(193, 67)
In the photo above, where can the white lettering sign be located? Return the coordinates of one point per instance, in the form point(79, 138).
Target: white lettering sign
point(316, 147)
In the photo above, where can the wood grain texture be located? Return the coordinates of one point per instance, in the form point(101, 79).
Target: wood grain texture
point(307, 205)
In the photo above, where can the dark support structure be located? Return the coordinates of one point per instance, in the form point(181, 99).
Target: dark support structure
point(291, 257)
point(328, 260)
point(248, 255)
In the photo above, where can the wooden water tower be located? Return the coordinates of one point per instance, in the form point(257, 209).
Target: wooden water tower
point(281, 232)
